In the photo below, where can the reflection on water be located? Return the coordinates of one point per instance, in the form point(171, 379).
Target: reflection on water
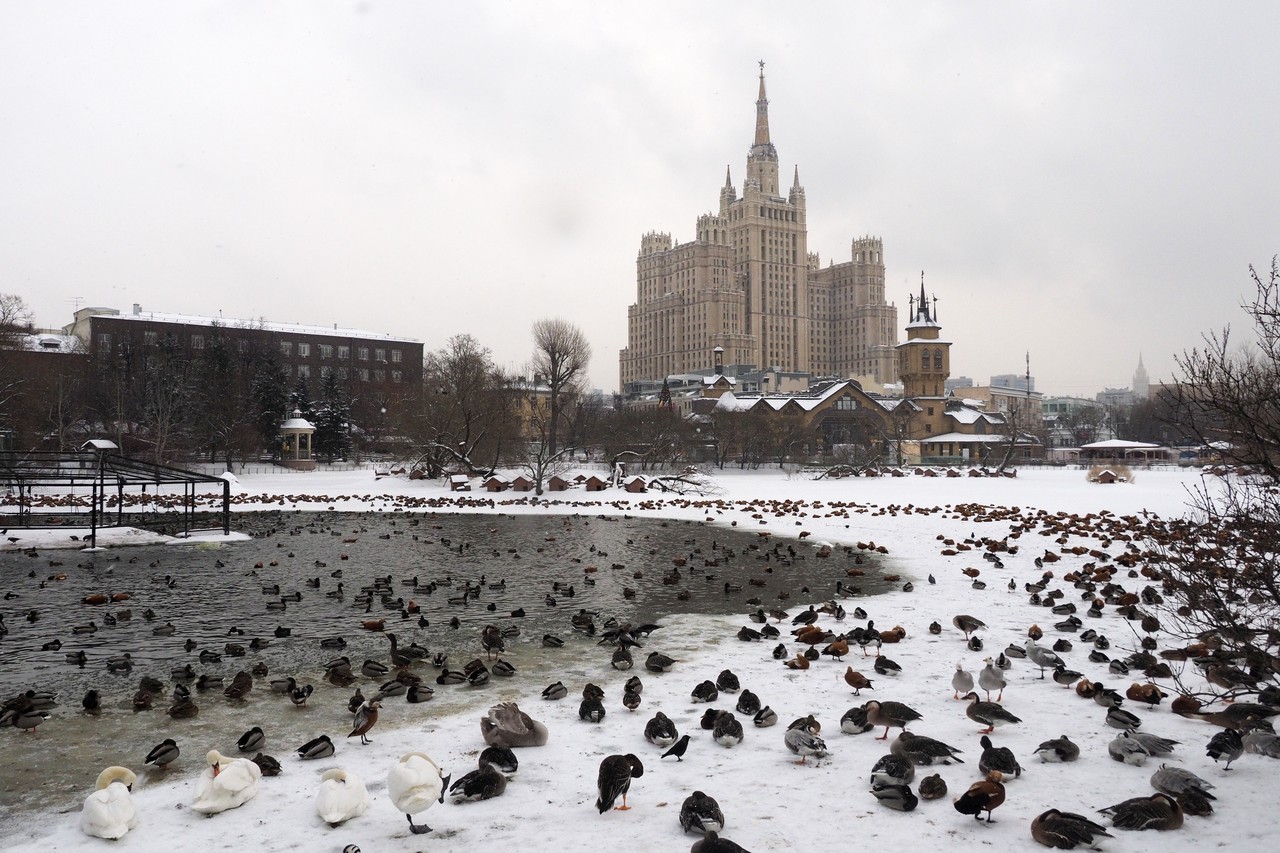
point(304, 572)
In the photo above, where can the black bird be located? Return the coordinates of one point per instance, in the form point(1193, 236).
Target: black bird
point(678, 749)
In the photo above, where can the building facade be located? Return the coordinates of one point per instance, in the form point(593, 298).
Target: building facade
point(748, 284)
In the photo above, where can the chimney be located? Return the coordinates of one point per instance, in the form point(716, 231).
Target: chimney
point(137, 309)
point(719, 360)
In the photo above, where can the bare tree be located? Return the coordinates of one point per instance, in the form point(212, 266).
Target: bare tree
point(15, 321)
point(561, 355)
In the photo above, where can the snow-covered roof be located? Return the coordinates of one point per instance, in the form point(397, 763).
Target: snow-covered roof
point(286, 328)
point(712, 380)
point(297, 423)
point(1119, 444)
point(48, 342)
point(965, 438)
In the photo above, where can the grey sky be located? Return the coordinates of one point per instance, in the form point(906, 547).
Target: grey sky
point(1081, 180)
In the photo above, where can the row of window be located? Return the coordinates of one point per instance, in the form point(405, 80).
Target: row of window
point(363, 374)
point(152, 338)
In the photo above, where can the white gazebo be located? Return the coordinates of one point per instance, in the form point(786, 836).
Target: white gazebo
point(295, 443)
point(1118, 449)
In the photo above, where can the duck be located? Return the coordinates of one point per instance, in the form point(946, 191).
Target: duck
point(765, 718)
point(727, 730)
point(415, 783)
point(614, 780)
point(658, 662)
point(998, 758)
point(1226, 745)
point(1056, 750)
point(267, 764)
point(162, 754)
point(748, 703)
point(252, 740)
point(483, 784)
point(988, 713)
point(506, 725)
point(933, 787)
point(890, 715)
point(705, 691)
point(985, 796)
point(1159, 811)
point(898, 797)
point(701, 813)
point(591, 709)
point(727, 682)
point(892, 769)
point(660, 731)
point(226, 784)
point(555, 691)
point(366, 718)
point(1118, 718)
point(804, 742)
point(342, 796)
point(109, 811)
point(320, 747)
point(961, 681)
point(1066, 830)
point(924, 751)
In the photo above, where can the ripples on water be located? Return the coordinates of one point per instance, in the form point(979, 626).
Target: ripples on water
point(216, 596)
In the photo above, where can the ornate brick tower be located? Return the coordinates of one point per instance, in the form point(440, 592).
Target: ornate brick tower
point(924, 362)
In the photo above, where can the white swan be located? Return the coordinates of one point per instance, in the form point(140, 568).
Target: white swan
point(108, 811)
point(415, 784)
point(342, 796)
point(227, 784)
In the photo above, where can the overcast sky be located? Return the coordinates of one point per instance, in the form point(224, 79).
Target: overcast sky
point(1081, 180)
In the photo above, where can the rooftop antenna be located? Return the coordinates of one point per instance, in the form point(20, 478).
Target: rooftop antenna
point(75, 301)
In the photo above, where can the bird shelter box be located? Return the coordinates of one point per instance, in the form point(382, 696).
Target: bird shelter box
point(497, 483)
point(522, 484)
point(459, 483)
point(636, 484)
point(595, 484)
point(557, 484)
point(296, 435)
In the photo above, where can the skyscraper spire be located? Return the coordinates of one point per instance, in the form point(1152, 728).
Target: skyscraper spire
point(762, 113)
point(728, 178)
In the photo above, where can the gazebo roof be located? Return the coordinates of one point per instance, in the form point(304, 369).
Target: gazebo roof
point(1118, 444)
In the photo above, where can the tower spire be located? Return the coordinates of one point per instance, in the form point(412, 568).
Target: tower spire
point(924, 303)
point(762, 112)
point(728, 178)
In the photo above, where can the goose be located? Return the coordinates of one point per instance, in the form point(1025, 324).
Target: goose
point(701, 813)
point(506, 725)
point(109, 812)
point(804, 742)
point(342, 796)
point(990, 678)
point(483, 784)
point(416, 783)
point(1066, 830)
point(614, 780)
point(890, 715)
point(225, 784)
point(998, 758)
point(660, 731)
point(961, 681)
point(968, 624)
point(988, 713)
point(924, 751)
point(1159, 811)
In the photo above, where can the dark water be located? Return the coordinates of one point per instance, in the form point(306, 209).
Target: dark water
point(215, 596)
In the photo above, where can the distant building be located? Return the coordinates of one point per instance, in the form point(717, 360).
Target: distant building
point(748, 285)
point(955, 383)
point(1016, 381)
point(1141, 382)
point(1116, 397)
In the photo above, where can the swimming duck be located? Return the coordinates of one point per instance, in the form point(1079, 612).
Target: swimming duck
point(924, 751)
point(109, 811)
point(701, 813)
point(1159, 811)
point(1066, 830)
point(985, 796)
point(342, 796)
point(988, 713)
point(506, 725)
point(614, 780)
point(416, 783)
point(162, 754)
point(890, 715)
point(225, 784)
point(321, 747)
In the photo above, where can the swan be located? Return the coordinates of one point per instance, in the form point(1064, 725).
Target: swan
point(108, 811)
point(227, 784)
point(415, 784)
point(342, 796)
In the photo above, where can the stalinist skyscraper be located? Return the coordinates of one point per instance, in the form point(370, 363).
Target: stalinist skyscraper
point(747, 283)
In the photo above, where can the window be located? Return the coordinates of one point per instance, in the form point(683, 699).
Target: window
point(150, 338)
point(304, 350)
point(342, 373)
point(928, 428)
point(380, 355)
point(326, 351)
point(924, 359)
point(197, 341)
point(325, 371)
point(930, 411)
point(937, 359)
point(364, 353)
point(286, 347)
point(344, 353)
point(364, 374)
point(104, 343)
point(242, 345)
point(304, 370)
point(379, 376)
point(396, 376)
point(395, 356)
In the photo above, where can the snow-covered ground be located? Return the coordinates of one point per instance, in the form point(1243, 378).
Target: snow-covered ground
point(770, 803)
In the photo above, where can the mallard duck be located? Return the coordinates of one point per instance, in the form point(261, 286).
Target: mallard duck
point(109, 811)
point(1066, 830)
point(500, 757)
point(342, 796)
point(555, 691)
point(748, 703)
point(483, 784)
point(415, 783)
point(1159, 811)
point(267, 764)
point(506, 725)
point(1118, 718)
point(765, 717)
point(985, 796)
point(727, 682)
point(240, 686)
point(897, 797)
point(924, 751)
point(252, 740)
point(225, 784)
point(321, 747)
point(658, 662)
point(163, 754)
point(660, 731)
point(988, 713)
point(933, 787)
point(890, 715)
point(614, 780)
point(591, 709)
point(701, 813)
